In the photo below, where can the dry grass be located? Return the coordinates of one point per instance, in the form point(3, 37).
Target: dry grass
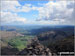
point(9, 34)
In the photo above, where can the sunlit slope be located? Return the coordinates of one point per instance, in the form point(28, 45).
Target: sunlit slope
point(9, 34)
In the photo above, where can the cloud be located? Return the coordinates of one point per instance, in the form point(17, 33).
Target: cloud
point(57, 11)
point(25, 8)
point(8, 17)
point(9, 5)
point(14, 6)
point(48, 22)
point(60, 12)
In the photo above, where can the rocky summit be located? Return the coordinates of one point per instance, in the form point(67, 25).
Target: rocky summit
point(35, 48)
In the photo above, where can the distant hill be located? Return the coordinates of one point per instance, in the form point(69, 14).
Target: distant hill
point(52, 36)
point(56, 38)
point(6, 35)
point(57, 41)
point(9, 34)
point(38, 29)
point(69, 30)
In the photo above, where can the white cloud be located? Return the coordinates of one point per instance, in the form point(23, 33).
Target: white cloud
point(14, 6)
point(25, 8)
point(59, 20)
point(8, 17)
point(61, 11)
point(9, 5)
point(49, 22)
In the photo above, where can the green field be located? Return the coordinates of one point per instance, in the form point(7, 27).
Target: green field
point(18, 42)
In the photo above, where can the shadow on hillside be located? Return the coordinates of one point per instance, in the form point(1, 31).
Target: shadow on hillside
point(9, 51)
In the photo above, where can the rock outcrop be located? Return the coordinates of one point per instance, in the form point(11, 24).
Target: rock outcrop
point(35, 48)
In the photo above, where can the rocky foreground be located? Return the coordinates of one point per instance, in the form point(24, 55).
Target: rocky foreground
point(35, 48)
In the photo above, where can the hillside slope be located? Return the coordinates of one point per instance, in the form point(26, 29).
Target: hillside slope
point(57, 42)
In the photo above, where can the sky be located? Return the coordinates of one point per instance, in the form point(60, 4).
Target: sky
point(17, 12)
